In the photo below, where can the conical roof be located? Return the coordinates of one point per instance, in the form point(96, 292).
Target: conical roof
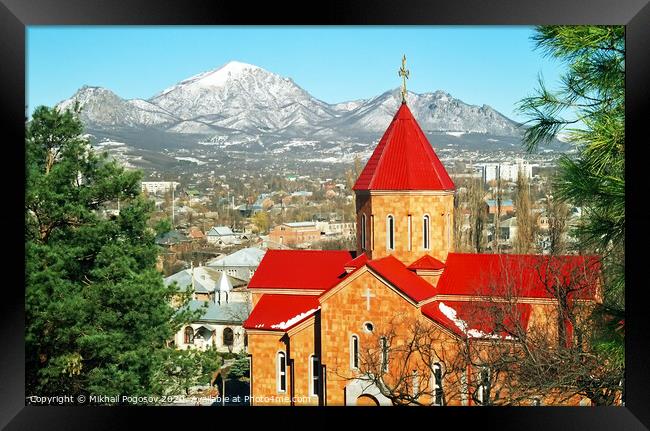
point(404, 160)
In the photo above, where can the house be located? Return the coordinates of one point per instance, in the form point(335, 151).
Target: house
point(318, 315)
point(241, 264)
point(507, 207)
point(171, 238)
point(222, 235)
point(508, 229)
point(224, 304)
point(296, 234)
point(196, 234)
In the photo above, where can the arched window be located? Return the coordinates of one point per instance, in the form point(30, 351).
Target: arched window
point(282, 372)
point(383, 344)
point(390, 232)
point(354, 352)
point(410, 233)
point(448, 232)
point(189, 335)
point(363, 231)
point(228, 337)
point(314, 374)
point(425, 232)
point(437, 384)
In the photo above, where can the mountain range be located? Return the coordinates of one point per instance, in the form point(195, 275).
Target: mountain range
point(239, 104)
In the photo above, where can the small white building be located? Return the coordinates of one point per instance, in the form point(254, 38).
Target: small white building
point(224, 303)
point(222, 235)
point(241, 264)
point(158, 186)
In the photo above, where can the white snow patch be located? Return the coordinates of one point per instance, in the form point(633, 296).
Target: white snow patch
point(455, 134)
point(294, 319)
point(462, 325)
point(191, 159)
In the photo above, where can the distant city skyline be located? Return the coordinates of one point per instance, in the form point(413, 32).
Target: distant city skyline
point(492, 65)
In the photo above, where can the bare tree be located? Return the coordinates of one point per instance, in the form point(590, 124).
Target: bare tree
point(525, 239)
point(555, 357)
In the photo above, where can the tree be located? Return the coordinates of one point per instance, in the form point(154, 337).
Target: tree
point(558, 353)
point(589, 107)
point(97, 311)
point(525, 239)
point(262, 221)
point(478, 214)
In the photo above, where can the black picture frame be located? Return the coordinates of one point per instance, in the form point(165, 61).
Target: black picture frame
point(15, 15)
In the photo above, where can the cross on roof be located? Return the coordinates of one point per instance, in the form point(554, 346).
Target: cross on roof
point(404, 73)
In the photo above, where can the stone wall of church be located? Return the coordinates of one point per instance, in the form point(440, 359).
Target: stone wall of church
point(440, 209)
point(264, 349)
point(302, 348)
point(344, 314)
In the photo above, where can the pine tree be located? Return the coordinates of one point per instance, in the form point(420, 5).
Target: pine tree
point(97, 312)
point(589, 108)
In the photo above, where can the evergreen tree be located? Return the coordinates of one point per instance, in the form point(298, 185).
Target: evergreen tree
point(589, 108)
point(97, 312)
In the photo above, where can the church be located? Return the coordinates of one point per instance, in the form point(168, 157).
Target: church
point(338, 327)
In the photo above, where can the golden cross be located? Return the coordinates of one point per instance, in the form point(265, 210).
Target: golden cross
point(404, 73)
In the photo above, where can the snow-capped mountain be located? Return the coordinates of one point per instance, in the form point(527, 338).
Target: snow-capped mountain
point(435, 112)
point(245, 108)
point(104, 109)
point(241, 96)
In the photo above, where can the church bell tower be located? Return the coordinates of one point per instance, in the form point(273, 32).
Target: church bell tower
point(404, 195)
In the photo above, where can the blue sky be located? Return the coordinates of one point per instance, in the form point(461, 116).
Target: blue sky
point(490, 65)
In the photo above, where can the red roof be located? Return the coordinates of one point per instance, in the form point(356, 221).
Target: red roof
point(528, 276)
point(281, 312)
point(480, 319)
point(357, 262)
point(399, 276)
point(404, 160)
point(300, 269)
point(427, 262)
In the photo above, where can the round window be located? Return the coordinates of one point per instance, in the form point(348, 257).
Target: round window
point(368, 327)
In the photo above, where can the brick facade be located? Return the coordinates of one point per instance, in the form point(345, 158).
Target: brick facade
point(377, 207)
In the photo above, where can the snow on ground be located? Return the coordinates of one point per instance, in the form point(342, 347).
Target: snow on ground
point(455, 134)
point(191, 159)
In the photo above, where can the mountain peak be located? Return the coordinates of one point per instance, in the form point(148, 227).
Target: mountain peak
point(218, 77)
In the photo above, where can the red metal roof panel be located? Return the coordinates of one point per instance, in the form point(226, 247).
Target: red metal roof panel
point(300, 269)
point(281, 312)
point(529, 276)
point(399, 276)
point(404, 160)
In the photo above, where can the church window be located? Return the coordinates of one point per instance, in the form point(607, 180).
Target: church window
point(368, 326)
point(282, 372)
point(437, 384)
point(410, 235)
point(363, 231)
point(372, 232)
point(315, 375)
point(425, 232)
point(448, 232)
point(383, 343)
point(228, 337)
point(390, 232)
point(354, 352)
point(189, 335)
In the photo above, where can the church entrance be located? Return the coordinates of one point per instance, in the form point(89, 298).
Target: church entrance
point(364, 393)
point(367, 400)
